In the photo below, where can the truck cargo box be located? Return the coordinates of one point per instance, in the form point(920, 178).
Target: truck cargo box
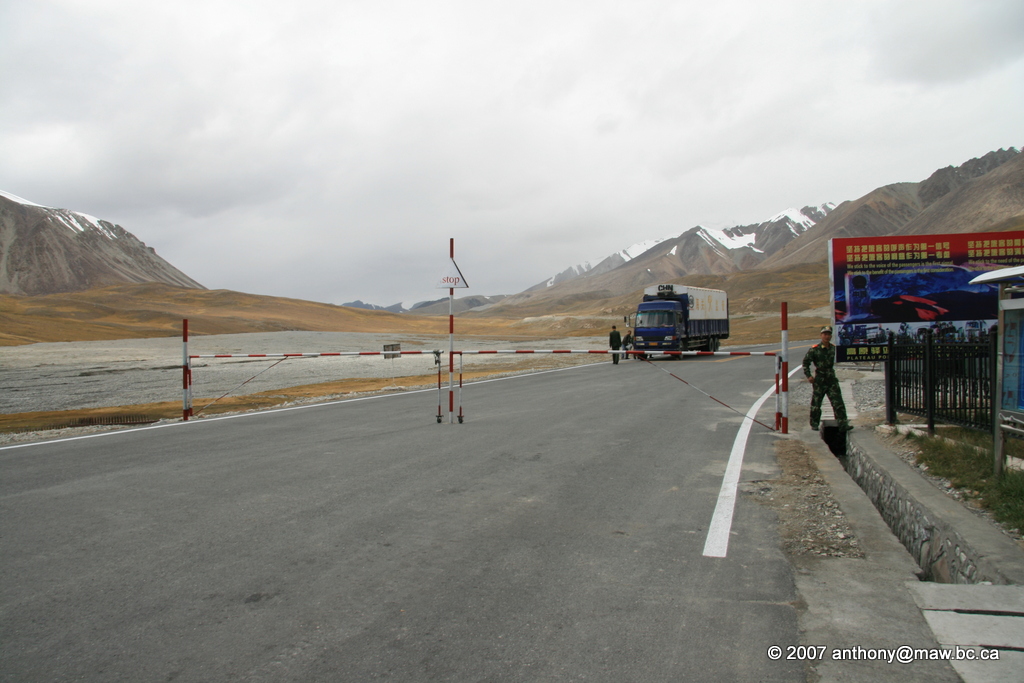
point(703, 304)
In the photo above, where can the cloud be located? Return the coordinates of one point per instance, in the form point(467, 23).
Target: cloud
point(945, 41)
point(328, 150)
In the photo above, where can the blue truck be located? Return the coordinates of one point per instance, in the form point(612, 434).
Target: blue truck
point(680, 318)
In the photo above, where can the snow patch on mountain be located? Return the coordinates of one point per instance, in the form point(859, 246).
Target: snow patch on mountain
point(802, 220)
point(19, 200)
point(73, 220)
point(731, 238)
point(570, 273)
point(630, 253)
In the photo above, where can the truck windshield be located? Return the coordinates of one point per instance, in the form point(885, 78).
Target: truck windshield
point(655, 319)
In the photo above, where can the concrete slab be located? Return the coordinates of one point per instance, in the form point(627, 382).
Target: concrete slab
point(965, 618)
point(977, 630)
point(966, 598)
point(828, 416)
point(1007, 670)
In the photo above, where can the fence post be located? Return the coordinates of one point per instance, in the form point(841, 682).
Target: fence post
point(890, 384)
point(929, 381)
point(994, 398)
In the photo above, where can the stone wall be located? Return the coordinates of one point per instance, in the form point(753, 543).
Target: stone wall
point(934, 529)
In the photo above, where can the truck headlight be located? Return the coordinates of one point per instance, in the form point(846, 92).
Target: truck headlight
point(639, 339)
point(670, 338)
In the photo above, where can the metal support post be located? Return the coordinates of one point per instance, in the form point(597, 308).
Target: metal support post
point(929, 381)
point(890, 382)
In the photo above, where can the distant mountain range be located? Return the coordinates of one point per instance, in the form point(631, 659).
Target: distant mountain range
point(395, 308)
point(46, 250)
point(699, 250)
point(705, 250)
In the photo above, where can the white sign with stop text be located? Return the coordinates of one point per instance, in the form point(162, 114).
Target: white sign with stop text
point(452, 278)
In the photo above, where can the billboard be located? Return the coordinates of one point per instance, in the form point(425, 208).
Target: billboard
point(911, 283)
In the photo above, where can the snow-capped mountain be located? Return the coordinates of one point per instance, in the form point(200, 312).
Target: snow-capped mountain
point(44, 250)
point(727, 248)
point(605, 265)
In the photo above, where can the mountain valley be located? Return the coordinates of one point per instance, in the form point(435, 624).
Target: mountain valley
point(67, 276)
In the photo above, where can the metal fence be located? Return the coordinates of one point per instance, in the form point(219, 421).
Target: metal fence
point(949, 382)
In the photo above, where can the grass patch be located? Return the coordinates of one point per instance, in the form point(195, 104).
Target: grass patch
point(967, 463)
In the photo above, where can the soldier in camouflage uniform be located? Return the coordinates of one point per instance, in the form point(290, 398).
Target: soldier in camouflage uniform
point(823, 356)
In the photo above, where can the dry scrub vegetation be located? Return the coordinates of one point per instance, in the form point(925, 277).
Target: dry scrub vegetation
point(133, 311)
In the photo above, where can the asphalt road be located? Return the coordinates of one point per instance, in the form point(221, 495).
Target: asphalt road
point(556, 535)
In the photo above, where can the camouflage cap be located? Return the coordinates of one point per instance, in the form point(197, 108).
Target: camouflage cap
point(826, 330)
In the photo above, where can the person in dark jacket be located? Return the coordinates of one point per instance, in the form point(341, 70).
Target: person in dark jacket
point(823, 357)
point(615, 341)
point(627, 342)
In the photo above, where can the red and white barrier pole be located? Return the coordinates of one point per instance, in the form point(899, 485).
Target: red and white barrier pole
point(313, 355)
point(438, 357)
point(186, 373)
point(460, 389)
point(187, 367)
point(785, 368)
point(628, 353)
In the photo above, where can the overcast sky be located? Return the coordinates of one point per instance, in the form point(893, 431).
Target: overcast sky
point(328, 150)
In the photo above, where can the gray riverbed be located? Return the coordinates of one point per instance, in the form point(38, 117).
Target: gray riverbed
point(95, 374)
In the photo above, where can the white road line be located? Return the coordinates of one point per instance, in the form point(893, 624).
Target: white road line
point(717, 542)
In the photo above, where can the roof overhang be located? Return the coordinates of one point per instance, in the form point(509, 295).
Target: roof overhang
point(1014, 275)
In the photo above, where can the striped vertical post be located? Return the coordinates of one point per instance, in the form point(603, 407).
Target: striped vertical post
point(451, 339)
point(437, 362)
point(785, 367)
point(460, 389)
point(186, 373)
